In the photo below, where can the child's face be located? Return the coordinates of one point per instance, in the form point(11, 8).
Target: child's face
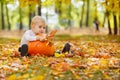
point(39, 28)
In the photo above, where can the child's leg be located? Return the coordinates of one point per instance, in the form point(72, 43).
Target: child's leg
point(19, 49)
point(66, 48)
point(23, 50)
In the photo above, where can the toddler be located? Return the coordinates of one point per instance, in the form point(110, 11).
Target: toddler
point(38, 27)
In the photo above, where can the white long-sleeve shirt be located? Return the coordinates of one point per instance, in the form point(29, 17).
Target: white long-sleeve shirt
point(27, 36)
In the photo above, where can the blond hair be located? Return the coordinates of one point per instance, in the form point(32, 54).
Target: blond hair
point(37, 19)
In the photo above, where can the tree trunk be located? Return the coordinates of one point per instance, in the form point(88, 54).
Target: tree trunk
point(87, 14)
point(115, 24)
point(39, 8)
point(30, 16)
point(2, 16)
point(21, 24)
point(81, 20)
point(107, 15)
point(69, 13)
point(47, 20)
point(96, 21)
point(119, 23)
point(33, 13)
point(30, 20)
point(109, 27)
point(8, 20)
point(58, 7)
point(104, 20)
point(119, 19)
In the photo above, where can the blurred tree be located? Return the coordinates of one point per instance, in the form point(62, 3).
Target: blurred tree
point(20, 15)
point(108, 14)
point(82, 12)
point(30, 15)
point(7, 13)
point(109, 27)
point(2, 14)
point(8, 20)
point(39, 7)
point(64, 9)
point(113, 8)
point(103, 24)
point(119, 18)
point(87, 13)
point(58, 6)
point(115, 24)
point(46, 20)
point(114, 5)
point(21, 4)
point(69, 14)
point(5, 19)
point(96, 21)
point(31, 4)
point(47, 4)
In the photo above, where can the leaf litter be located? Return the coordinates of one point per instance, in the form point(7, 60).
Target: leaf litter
point(87, 60)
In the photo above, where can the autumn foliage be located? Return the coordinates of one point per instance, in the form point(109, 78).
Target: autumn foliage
point(91, 60)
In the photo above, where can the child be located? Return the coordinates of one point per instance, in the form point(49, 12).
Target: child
point(38, 27)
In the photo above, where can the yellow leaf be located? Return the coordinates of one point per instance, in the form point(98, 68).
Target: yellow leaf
point(12, 77)
point(92, 51)
point(103, 63)
point(106, 76)
point(59, 55)
point(66, 52)
point(95, 67)
point(40, 77)
point(26, 75)
point(76, 75)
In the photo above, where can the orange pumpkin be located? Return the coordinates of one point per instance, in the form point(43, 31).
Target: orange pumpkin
point(40, 47)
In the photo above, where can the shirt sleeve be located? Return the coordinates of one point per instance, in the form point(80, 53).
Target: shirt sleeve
point(30, 37)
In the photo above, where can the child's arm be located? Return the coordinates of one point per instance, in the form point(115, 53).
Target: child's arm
point(48, 37)
point(45, 37)
point(42, 38)
point(30, 37)
point(38, 38)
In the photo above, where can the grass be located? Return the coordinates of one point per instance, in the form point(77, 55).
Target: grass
point(97, 38)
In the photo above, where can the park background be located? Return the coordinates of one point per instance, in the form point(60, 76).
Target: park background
point(62, 15)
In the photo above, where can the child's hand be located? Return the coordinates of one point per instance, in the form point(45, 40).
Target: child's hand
point(38, 38)
point(43, 39)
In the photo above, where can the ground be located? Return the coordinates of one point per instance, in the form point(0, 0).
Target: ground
point(95, 57)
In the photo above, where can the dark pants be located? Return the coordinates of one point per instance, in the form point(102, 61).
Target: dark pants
point(66, 48)
point(23, 50)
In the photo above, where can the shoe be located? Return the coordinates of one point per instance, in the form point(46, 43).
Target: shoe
point(66, 48)
point(24, 50)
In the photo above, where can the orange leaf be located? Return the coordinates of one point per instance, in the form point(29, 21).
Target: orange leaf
point(51, 35)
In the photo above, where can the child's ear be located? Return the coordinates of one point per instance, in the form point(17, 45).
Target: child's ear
point(32, 25)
